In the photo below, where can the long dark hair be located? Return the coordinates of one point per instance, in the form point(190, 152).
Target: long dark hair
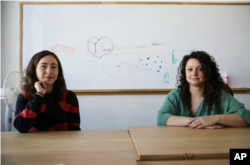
point(213, 80)
point(30, 77)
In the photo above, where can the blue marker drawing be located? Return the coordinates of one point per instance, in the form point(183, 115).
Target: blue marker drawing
point(153, 67)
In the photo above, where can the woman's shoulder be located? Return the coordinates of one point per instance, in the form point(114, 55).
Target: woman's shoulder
point(70, 98)
point(174, 93)
point(225, 94)
point(23, 95)
point(69, 93)
point(227, 98)
point(229, 103)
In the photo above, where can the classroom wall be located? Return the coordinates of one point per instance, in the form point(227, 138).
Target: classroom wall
point(1, 66)
point(98, 112)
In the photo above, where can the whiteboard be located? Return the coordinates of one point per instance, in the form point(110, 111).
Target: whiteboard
point(136, 46)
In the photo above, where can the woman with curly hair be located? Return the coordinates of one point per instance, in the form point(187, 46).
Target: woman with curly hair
point(45, 104)
point(202, 99)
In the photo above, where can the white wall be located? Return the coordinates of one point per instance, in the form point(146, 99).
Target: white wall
point(1, 65)
point(98, 112)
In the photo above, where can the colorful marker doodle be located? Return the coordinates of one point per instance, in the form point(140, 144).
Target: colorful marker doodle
point(64, 49)
point(124, 76)
point(106, 69)
point(120, 73)
point(173, 59)
point(153, 65)
point(126, 66)
point(147, 67)
point(100, 47)
point(130, 47)
point(152, 62)
point(166, 77)
point(177, 56)
point(156, 43)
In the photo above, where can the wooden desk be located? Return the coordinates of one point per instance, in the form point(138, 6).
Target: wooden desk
point(68, 148)
point(187, 162)
point(178, 143)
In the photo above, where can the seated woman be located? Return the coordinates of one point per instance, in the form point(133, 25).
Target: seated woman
point(202, 99)
point(45, 104)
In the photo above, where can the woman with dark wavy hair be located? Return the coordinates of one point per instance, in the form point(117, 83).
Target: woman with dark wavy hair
point(202, 99)
point(45, 104)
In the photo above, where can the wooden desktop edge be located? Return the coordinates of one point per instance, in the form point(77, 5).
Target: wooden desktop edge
point(180, 156)
point(136, 150)
point(184, 156)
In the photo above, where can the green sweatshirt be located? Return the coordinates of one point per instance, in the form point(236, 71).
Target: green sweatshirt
point(173, 106)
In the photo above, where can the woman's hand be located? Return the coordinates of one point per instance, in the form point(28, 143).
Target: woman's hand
point(41, 87)
point(203, 122)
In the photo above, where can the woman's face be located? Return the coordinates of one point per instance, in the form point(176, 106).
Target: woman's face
point(194, 74)
point(47, 70)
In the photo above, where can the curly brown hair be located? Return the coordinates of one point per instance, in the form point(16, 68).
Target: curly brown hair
point(213, 80)
point(29, 78)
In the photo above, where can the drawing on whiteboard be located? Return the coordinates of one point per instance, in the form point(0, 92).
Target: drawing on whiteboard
point(106, 69)
point(166, 77)
point(177, 56)
point(64, 49)
point(119, 74)
point(156, 43)
point(126, 66)
point(147, 67)
point(124, 76)
point(154, 66)
point(100, 47)
point(130, 47)
point(152, 63)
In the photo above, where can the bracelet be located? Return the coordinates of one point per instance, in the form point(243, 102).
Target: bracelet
point(40, 93)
